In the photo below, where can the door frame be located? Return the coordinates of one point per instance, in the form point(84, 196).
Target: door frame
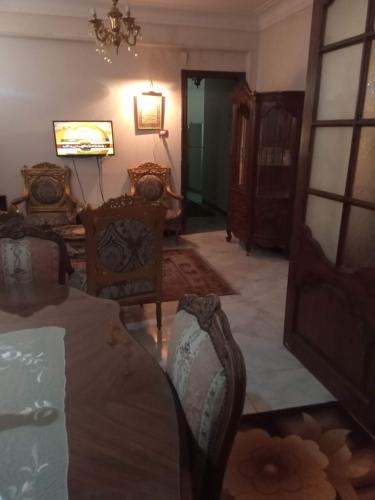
point(185, 74)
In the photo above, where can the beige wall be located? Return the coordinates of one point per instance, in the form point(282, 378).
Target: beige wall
point(45, 79)
point(283, 53)
point(50, 71)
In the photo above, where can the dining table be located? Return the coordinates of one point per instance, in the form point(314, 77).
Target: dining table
point(117, 409)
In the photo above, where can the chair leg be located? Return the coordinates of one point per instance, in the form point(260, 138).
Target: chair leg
point(158, 315)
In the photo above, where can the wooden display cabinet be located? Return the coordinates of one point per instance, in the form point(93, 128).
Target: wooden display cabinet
point(264, 156)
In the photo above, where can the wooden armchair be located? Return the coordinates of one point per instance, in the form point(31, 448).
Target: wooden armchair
point(124, 251)
point(47, 196)
point(153, 182)
point(31, 256)
point(207, 371)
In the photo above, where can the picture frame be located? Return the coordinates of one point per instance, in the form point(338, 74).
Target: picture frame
point(149, 111)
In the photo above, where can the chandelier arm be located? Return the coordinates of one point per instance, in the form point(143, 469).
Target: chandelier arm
point(103, 35)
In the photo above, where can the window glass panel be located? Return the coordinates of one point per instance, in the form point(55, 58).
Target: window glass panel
point(364, 182)
point(339, 83)
point(369, 109)
point(360, 241)
point(324, 219)
point(330, 159)
point(345, 18)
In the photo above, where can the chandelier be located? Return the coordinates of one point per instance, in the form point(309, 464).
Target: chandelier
point(122, 29)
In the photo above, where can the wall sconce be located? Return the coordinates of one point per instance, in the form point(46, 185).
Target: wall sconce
point(149, 111)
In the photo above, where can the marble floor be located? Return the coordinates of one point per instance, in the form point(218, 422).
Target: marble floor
point(275, 378)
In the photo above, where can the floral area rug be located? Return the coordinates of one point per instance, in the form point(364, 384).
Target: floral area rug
point(184, 271)
point(314, 453)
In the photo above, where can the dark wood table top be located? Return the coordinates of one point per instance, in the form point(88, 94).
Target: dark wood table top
point(120, 413)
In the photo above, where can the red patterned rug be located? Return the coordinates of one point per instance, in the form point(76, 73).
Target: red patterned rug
point(184, 271)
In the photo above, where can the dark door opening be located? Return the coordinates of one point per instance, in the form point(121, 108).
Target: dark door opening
point(206, 135)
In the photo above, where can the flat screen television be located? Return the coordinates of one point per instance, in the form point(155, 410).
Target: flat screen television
point(83, 138)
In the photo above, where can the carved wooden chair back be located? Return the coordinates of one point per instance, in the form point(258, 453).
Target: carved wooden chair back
point(47, 195)
point(207, 371)
point(124, 250)
point(31, 256)
point(153, 182)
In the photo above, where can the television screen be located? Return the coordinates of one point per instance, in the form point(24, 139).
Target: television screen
point(91, 138)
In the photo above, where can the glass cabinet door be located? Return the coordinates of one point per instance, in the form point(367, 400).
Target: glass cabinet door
point(275, 151)
point(242, 146)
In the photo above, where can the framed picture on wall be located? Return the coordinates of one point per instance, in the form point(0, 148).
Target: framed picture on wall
point(149, 111)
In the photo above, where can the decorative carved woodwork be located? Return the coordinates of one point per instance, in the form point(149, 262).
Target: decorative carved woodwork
point(148, 168)
point(265, 143)
point(123, 201)
point(167, 196)
point(333, 325)
point(47, 191)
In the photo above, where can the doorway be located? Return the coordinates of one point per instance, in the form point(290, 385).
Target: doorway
point(206, 136)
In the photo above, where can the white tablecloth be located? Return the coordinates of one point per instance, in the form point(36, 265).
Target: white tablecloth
point(33, 437)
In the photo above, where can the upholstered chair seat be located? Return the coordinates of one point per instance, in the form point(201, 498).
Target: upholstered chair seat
point(206, 370)
point(31, 256)
point(152, 182)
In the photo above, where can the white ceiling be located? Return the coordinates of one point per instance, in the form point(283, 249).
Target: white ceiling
point(220, 5)
point(207, 5)
point(245, 15)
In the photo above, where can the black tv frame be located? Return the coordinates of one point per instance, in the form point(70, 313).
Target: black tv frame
point(83, 155)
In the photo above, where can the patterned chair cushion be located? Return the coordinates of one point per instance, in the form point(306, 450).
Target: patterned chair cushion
point(150, 187)
point(125, 245)
point(198, 376)
point(47, 190)
point(115, 292)
point(28, 261)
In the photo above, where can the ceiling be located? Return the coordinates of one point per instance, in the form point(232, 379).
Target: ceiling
point(208, 5)
point(248, 5)
point(245, 15)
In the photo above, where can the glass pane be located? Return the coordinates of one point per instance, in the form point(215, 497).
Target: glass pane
point(364, 182)
point(324, 219)
point(330, 159)
point(277, 136)
point(369, 109)
point(345, 18)
point(242, 175)
point(360, 241)
point(339, 83)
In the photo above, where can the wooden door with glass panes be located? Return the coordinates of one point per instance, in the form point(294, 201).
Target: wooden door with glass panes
point(330, 312)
